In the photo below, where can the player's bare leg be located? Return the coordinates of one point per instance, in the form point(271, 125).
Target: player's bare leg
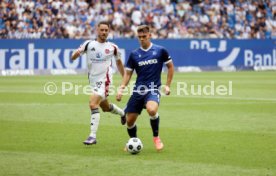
point(152, 108)
point(95, 118)
point(114, 109)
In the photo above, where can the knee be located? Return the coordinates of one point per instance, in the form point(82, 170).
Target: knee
point(93, 105)
point(151, 111)
point(129, 121)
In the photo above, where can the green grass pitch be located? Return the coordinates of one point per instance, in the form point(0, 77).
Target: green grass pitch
point(232, 135)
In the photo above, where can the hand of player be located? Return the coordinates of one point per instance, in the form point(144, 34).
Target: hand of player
point(167, 90)
point(119, 94)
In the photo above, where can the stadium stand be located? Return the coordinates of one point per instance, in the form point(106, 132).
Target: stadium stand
point(76, 19)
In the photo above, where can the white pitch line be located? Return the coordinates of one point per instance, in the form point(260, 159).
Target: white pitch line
point(38, 92)
point(226, 98)
point(217, 103)
point(39, 104)
point(21, 91)
point(170, 96)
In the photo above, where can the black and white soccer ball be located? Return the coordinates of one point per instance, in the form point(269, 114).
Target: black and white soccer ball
point(134, 145)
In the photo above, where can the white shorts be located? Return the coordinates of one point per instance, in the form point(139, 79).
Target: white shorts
point(100, 85)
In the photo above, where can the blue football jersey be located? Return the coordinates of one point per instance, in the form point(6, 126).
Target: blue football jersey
point(148, 65)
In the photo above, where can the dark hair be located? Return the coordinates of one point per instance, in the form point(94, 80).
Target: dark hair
point(104, 22)
point(143, 28)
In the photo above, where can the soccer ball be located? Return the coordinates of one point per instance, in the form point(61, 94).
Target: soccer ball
point(134, 145)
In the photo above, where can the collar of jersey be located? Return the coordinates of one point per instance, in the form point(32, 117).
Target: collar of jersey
point(146, 49)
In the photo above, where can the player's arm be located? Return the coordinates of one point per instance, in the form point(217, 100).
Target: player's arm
point(78, 52)
point(126, 78)
point(75, 54)
point(120, 67)
point(118, 57)
point(119, 62)
point(170, 73)
point(125, 81)
point(130, 65)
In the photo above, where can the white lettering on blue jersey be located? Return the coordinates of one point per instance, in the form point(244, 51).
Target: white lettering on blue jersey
point(147, 62)
point(148, 65)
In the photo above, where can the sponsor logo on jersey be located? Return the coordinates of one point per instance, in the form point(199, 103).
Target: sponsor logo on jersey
point(107, 51)
point(148, 62)
point(98, 55)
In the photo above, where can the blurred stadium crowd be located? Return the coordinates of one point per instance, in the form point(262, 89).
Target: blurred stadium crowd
point(239, 19)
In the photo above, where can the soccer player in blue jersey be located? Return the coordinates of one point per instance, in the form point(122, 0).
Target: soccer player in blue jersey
point(148, 62)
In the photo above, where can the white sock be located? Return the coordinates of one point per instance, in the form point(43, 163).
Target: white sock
point(130, 127)
point(116, 110)
point(95, 120)
point(155, 116)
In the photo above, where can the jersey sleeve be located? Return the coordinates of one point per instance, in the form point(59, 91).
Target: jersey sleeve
point(130, 63)
point(165, 56)
point(117, 53)
point(83, 47)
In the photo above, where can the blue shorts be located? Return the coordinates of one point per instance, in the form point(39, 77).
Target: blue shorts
point(138, 100)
